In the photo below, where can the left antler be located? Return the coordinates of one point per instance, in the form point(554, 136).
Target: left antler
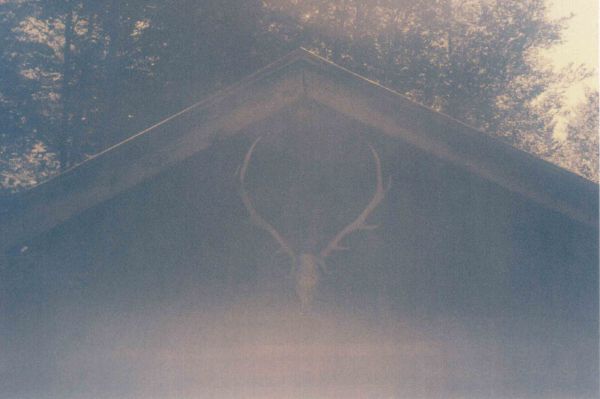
point(254, 215)
point(360, 222)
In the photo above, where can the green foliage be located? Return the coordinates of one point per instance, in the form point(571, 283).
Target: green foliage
point(579, 151)
point(26, 167)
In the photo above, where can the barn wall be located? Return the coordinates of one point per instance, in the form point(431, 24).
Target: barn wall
point(500, 293)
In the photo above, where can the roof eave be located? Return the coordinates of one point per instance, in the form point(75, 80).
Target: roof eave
point(300, 74)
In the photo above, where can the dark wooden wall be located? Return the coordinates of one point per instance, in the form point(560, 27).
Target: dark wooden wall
point(509, 285)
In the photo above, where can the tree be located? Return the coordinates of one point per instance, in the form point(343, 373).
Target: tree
point(59, 58)
point(579, 151)
point(476, 60)
point(81, 75)
point(28, 93)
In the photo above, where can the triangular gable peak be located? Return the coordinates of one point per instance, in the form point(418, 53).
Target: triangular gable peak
point(297, 77)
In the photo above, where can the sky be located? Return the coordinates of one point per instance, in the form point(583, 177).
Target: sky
point(580, 38)
point(580, 46)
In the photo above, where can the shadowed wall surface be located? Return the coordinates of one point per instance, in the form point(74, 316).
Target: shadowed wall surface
point(169, 291)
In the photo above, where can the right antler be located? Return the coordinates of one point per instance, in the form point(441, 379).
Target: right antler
point(360, 222)
point(254, 215)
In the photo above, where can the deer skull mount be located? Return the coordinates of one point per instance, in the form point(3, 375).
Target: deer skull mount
point(308, 266)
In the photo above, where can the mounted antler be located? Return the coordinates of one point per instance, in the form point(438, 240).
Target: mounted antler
point(360, 222)
point(307, 265)
point(254, 215)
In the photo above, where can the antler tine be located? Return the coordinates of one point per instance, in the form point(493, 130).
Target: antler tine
point(360, 222)
point(254, 215)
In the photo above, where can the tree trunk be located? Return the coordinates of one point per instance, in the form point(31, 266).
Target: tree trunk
point(65, 135)
point(111, 104)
